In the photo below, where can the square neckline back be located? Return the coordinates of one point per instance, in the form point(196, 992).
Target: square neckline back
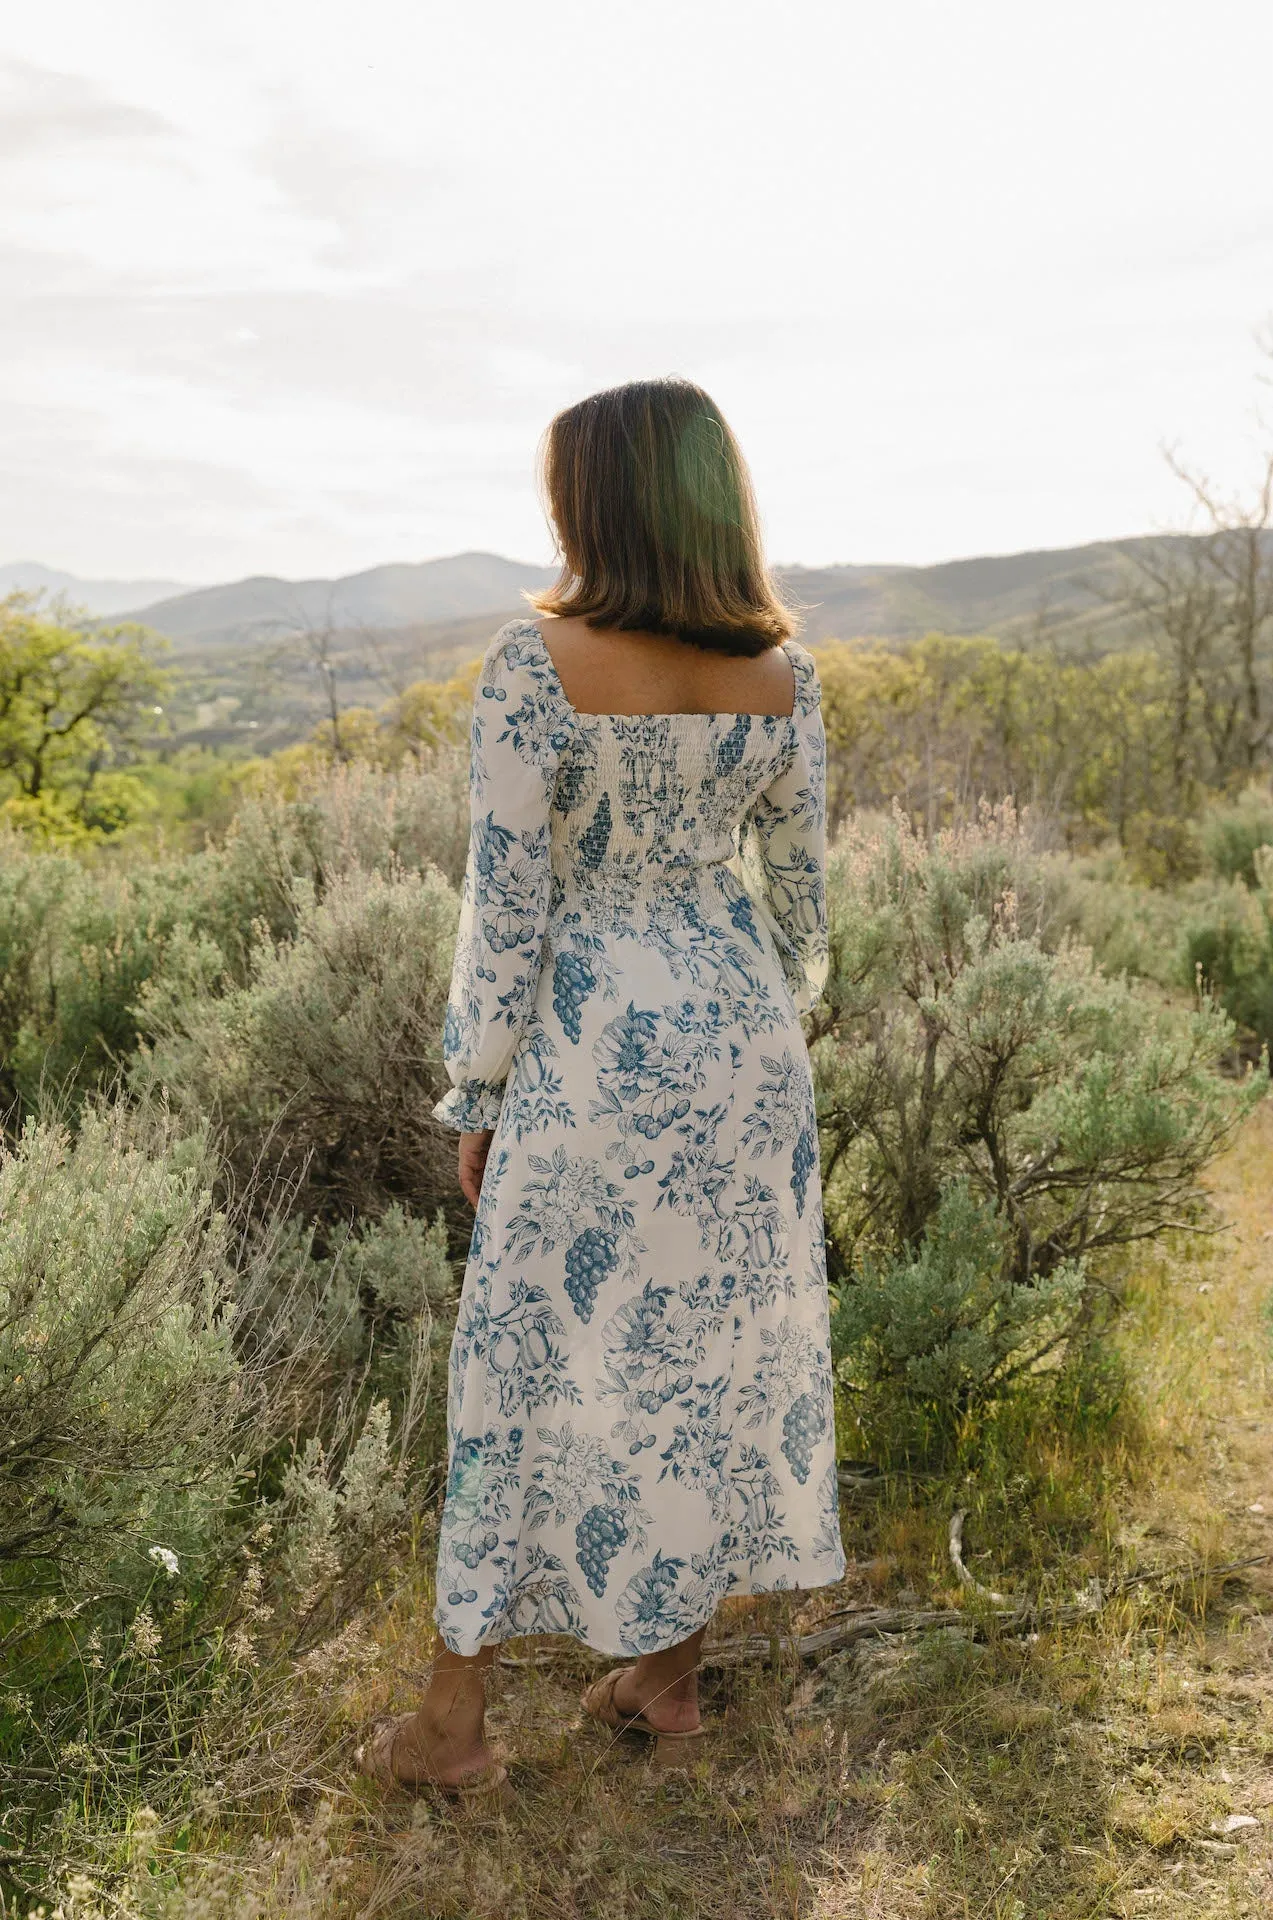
point(680, 713)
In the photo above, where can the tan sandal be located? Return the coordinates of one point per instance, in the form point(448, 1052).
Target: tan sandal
point(374, 1759)
point(669, 1750)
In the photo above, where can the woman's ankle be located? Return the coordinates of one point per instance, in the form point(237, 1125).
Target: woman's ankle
point(668, 1700)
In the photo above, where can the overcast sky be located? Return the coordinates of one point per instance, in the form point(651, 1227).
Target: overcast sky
point(293, 287)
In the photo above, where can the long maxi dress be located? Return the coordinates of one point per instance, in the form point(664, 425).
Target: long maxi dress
point(639, 1403)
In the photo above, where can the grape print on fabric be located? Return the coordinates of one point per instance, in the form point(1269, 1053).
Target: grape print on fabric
point(639, 1407)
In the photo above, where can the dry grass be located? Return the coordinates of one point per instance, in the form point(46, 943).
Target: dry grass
point(1065, 1775)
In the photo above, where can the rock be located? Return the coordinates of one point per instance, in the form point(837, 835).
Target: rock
point(1236, 1823)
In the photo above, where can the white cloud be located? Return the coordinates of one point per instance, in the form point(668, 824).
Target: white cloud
point(295, 288)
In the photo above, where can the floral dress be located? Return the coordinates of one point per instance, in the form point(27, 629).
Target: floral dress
point(639, 1404)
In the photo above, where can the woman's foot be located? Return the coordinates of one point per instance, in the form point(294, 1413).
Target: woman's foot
point(663, 1687)
point(444, 1741)
point(447, 1753)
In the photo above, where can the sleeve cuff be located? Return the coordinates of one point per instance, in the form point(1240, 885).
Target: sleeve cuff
point(472, 1107)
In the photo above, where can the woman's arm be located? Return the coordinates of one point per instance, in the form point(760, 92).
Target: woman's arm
point(788, 821)
point(515, 746)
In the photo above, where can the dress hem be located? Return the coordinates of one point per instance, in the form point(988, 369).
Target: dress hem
point(629, 1652)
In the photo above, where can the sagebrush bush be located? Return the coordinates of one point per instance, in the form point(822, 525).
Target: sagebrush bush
point(963, 1064)
point(80, 942)
point(1232, 835)
point(116, 1356)
point(1228, 945)
point(212, 1435)
point(322, 1069)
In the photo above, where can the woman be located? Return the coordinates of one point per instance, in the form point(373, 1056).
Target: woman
point(640, 1404)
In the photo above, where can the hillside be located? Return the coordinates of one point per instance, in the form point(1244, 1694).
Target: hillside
point(102, 598)
point(214, 619)
point(250, 650)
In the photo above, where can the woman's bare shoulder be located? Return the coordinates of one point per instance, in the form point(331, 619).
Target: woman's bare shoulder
point(635, 672)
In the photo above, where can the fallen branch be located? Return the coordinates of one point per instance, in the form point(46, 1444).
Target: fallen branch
point(865, 1624)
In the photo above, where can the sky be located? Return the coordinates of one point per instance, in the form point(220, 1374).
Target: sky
point(294, 288)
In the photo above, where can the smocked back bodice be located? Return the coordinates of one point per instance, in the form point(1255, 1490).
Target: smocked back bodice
point(644, 803)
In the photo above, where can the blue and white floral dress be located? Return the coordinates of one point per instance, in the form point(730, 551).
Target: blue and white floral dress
point(639, 1405)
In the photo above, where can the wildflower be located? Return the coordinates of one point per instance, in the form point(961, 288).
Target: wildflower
point(167, 1559)
point(145, 1637)
point(242, 1648)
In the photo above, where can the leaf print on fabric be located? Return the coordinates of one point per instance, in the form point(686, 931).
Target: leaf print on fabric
point(650, 785)
point(697, 1177)
point(525, 1359)
point(762, 1522)
point(742, 915)
point(781, 1107)
point(505, 865)
point(650, 1063)
point(790, 1361)
point(652, 1347)
point(536, 1096)
point(755, 1239)
point(698, 1453)
point(482, 1469)
point(827, 1541)
point(639, 1404)
point(543, 1598)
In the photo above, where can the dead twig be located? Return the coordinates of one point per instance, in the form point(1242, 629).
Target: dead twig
point(962, 1574)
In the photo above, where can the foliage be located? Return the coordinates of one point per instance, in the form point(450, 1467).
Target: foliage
point(73, 708)
point(209, 1444)
point(980, 1090)
point(323, 1066)
point(1230, 948)
point(79, 943)
point(941, 722)
point(953, 1319)
point(1206, 604)
point(426, 723)
point(1233, 835)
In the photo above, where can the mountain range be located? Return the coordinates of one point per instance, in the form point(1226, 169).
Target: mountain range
point(255, 653)
point(957, 596)
point(102, 598)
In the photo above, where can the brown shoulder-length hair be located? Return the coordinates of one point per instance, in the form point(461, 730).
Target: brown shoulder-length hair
point(656, 522)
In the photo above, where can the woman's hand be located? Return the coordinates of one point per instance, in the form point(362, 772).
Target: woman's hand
point(474, 1148)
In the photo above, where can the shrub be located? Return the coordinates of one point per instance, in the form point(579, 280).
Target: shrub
point(951, 1320)
point(79, 944)
point(1229, 947)
point(321, 1071)
point(982, 1093)
point(1232, 835)
point(209, 1443)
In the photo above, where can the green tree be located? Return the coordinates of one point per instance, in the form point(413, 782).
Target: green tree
point(75, 704)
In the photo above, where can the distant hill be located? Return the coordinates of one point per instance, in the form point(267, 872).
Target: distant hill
point(1062, 593)
point(214, 618)
point(102, 598)
point(248, 650)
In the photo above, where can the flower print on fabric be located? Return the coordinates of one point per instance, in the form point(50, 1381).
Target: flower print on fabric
point(639, 1405)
